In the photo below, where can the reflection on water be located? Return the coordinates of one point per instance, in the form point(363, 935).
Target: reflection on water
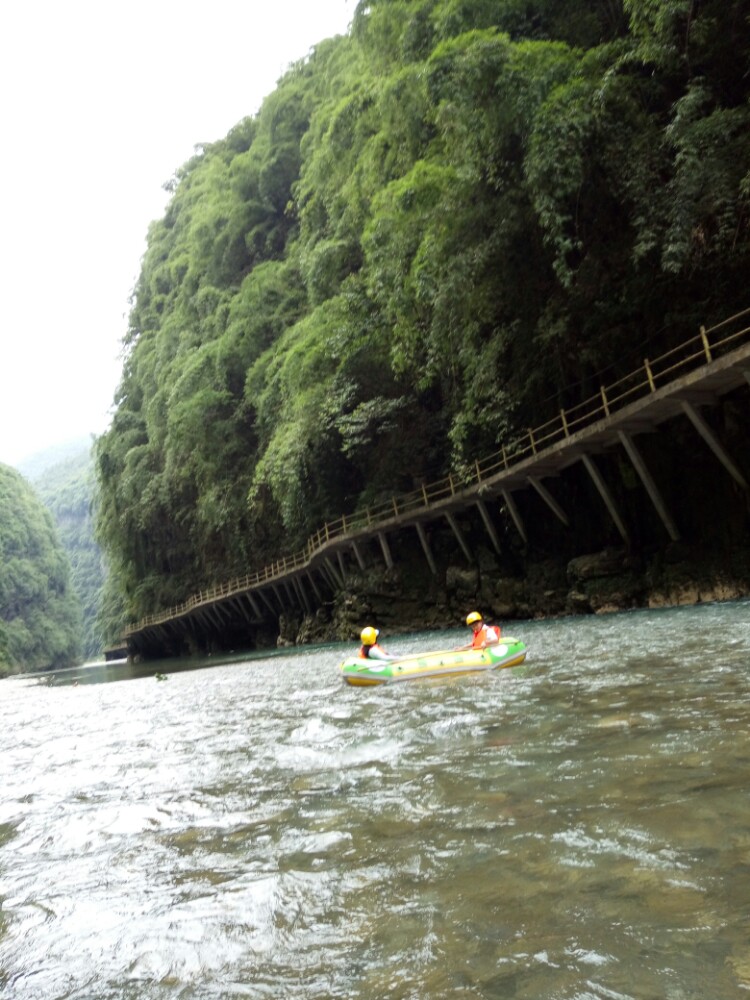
point(579, 828)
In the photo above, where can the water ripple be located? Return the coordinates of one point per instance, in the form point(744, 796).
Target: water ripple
point(578, 828)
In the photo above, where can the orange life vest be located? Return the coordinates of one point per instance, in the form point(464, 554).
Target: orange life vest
point(487, 635)
point(364, 652)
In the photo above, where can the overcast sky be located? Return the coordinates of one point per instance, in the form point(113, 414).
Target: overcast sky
point(101, 103)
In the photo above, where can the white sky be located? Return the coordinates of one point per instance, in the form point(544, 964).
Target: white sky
point(100, 103)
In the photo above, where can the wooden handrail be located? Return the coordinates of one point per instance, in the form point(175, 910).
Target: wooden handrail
point(645, 380)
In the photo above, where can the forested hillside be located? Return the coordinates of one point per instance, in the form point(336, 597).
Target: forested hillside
point(67, 489)
point(40, 621)
point(437, 230)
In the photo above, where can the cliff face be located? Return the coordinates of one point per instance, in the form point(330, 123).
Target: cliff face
point(575, 565)
point(438, 230)
point(584, 568)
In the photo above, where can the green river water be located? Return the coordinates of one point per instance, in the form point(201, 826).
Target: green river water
point(575, 828)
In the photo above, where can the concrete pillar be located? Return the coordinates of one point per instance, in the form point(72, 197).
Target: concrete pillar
point(459, 536)
point(553, 505)
point(385, 549)
point(485, 514)
point(314, 586)
point(713, 442)
point(426, 548)
point(359, 557)
point(510, 503)
point(338, 580)
point(651, 487)
point(254, 604)
point(267, 603)
point(606, 495)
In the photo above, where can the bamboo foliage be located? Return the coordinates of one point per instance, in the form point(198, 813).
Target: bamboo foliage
point(458, 216)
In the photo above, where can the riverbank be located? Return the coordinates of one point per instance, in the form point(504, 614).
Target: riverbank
point(403, 599)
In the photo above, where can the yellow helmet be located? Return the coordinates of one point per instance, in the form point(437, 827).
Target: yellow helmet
point(473, 616)
point(369, 636)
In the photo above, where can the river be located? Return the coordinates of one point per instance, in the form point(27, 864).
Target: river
point(575, 828)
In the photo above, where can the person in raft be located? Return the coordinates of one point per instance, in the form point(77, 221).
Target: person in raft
point(482, 635)
point(370, 649)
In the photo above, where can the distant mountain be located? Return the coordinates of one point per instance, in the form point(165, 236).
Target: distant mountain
point(64, 481)
point(33, 466)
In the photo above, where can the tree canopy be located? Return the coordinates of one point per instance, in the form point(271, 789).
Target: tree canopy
point(454, 215)
point(40, 619)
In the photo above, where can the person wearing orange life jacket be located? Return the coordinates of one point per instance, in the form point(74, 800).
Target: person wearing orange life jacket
point(482, 635)
point(370, 649)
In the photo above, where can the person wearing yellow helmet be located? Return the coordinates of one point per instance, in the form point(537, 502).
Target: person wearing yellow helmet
point(482, 634)
point(370, 648)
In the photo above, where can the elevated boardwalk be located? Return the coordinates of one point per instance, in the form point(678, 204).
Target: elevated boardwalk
point(680, 382)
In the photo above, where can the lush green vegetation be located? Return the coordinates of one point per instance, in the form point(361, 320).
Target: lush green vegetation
point(40, 622)
point(438, 229)
point(67, 489)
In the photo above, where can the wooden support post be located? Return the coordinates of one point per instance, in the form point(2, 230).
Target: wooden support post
point(485, 514)
point(342, 567)
point(651, 487)
point(459, 536)
point(426, 548)
point(359, 557)
point(606, 495)
point(553, 505)
point(385, 548)
point(510, 503)
point(713, 442)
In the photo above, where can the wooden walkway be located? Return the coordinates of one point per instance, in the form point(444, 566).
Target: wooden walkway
point(680, 382)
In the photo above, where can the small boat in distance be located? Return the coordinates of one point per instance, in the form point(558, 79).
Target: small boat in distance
point(365, 673)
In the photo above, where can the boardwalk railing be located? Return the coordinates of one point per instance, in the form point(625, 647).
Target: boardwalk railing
point(708, 345)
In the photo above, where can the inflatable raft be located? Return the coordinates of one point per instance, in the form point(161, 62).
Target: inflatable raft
point(363, 673)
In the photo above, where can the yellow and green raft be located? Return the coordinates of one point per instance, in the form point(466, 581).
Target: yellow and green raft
point(364, 673)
